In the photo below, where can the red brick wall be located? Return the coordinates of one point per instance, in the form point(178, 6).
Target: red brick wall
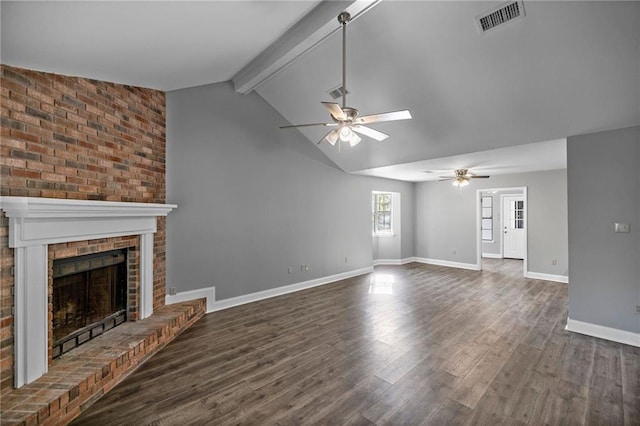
point(70, 137)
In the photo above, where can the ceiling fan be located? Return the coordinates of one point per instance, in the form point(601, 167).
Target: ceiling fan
point(462, 177)
point(345, 119)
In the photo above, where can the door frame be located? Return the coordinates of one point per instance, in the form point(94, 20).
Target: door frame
point(502, 222)
point(478, 217)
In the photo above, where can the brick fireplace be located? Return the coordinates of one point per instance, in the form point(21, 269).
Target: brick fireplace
point(37, 227)
point(83, 141)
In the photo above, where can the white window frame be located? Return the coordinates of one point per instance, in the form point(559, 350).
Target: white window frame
point(387, 232)
point(487, 215)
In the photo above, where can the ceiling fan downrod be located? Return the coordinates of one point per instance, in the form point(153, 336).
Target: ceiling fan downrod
point(344, 18)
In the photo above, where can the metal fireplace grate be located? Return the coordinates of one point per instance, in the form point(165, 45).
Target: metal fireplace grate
point(89, 298)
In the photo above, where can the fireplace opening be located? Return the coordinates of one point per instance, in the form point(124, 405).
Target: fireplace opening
point(89, 297)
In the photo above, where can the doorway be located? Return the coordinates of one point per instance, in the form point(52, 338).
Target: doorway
point(501, 224)
point(513, 226)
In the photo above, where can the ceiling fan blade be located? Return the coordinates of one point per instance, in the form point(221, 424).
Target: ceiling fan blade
point(335, 110)
point(479, 177)
point(368, 131)
point(331, 137)
point(445, 178)
point(309, 125)
point(385, 116)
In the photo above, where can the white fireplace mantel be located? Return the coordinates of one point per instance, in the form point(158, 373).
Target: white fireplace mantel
point(34, 223)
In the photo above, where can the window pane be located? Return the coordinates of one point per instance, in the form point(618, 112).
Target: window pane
point(487, 234)
point(381, 212)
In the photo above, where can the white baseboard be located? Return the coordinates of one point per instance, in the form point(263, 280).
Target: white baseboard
point(438, 262)
point(404, 261)
point(183, 296)
point(603, 332)
point(547, 277)
point(492, 255)
point(278, 291)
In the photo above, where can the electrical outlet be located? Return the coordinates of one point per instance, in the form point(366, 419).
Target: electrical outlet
point(304, 267)
point(621, 227)
point(291, 269)
point(554, 262)
point(638, 309)
point(453, 251)
point(172, 291)
point(346, 260)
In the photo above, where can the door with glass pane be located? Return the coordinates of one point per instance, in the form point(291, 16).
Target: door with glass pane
point(513, 226)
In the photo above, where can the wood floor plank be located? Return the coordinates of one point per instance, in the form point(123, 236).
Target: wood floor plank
point(425, 401)
point(577, 363)
point(605, 403)
point(397, 368)
point(448, 413)
point(472, 388)
point(630, 371)
point(567, 405)
point(448, 346)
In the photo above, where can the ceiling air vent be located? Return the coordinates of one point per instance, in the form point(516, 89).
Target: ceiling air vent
point(500, 15)
point(337, 92)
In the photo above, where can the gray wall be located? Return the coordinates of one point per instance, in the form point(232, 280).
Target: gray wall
point(446, 219)
point(604, 187)
point(254, 200)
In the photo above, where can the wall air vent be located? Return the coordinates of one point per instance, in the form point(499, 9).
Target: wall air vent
point(500, 15)
point(337, 92)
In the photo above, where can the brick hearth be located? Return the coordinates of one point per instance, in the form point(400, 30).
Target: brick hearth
point(80, 377)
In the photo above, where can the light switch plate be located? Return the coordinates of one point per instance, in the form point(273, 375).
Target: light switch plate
point(621, 227)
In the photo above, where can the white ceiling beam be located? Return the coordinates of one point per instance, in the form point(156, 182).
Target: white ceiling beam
point(311, 30)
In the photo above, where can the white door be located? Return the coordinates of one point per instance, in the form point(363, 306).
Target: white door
point(513, 226)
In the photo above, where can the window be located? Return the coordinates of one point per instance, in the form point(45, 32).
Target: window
point(487, 218)
point(382, 224)
point(516, 214)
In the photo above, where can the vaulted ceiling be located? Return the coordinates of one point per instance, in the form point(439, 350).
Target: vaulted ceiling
point(566, 68)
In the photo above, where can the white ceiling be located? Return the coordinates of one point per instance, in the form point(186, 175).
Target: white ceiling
point(567, 68)
point(164, 45)
point(549, 155)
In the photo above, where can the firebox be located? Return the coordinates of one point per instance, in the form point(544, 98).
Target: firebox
point(89, 297)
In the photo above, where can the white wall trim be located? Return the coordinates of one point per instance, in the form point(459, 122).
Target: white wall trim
point(183, 296)
point(546, 277)
point(460, 265)
point(603, 332)
point(492, 255)
point(404, 261)
point(278, 291)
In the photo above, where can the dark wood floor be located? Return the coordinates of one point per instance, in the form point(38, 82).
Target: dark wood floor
point(407, 345)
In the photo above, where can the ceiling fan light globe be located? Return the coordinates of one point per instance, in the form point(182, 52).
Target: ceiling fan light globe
point(346, 134)
point(354, 139)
